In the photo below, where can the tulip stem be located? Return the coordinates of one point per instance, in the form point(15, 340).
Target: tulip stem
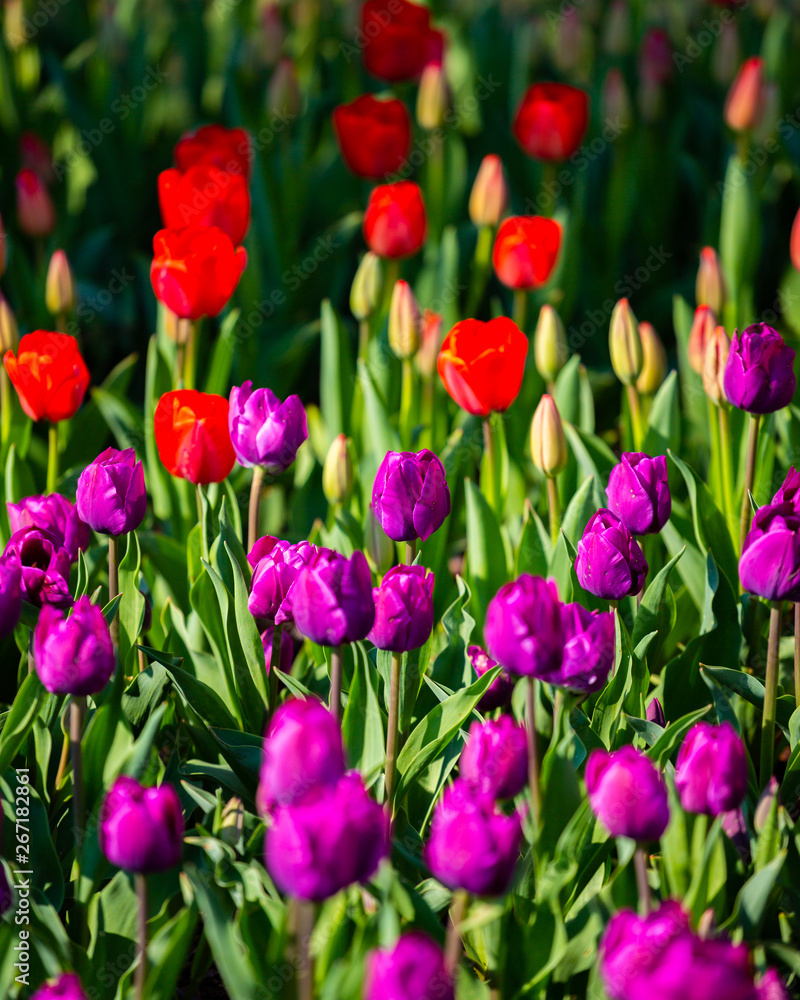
point(406, 421)
point(5, 406)
point(201, 520)
point(252, 513)
point(481, 268)
point(76, 708)
point(363, 339)
point(452, 944)
point(113, 585)
point(749, 478)
point(52, 458)
point(392, 728)
point(797, 654)
point(642, 885)
point(533, 751)
point(335, 704)
point(411, 551)
point(634, 405)
point(770, 696)
point(274, 665)
point(726, 468)
point(392, 276)
point(520, 307)
point(554, 508)
point(492, 489)
point(140, 975)
point(304, 930)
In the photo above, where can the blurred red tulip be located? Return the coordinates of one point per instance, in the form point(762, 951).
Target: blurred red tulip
point(206, 196)
point(395, 224)
point(226, 148)
point(655, 57)
point(525, 250)
point(373, 136)
point(551, 120)
point(192, 435)
point(794, 242)
point(195, 270)
point(49, 374)
point(35, 154)
point(744, 105)
point(489, 196)
point(36, 213)
point(703, 326)
point(398, 40)
point(481, 364)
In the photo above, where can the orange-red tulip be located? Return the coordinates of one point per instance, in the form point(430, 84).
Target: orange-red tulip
point(195, 270)
point(395, 224)
point(206, 196)
point(525, 250)
point(36, 213)
point(226, 148)
point(551, 120)
point(49, 374)
point(192, 435)
point(373, 135)
point(481, 364)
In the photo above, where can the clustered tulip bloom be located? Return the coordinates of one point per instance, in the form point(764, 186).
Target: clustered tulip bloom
point(410, 497)
point(141, 829)
point(54, 514)
point(499, 692)
point(403, 609)
point(111, 497)
point(525, 251)
point(205, 195)
point(265, 431)
point(374, 136)
point(44, 564)
point(332, 599)
point(399, 41)
point(627, 793)
point(414, 968)
point(192, 436)
point(524, 628)
point(195, 269)
point(551, 120)
point(395, 223)
point(589, 649)
point(609, 562)
point(494, 761)
point(49, 374)
point(638, 493)
point(759, 374)
point(10, 593)
point(276, 565)
point(770, 562)
point(482, 364)
point(711, 769)
point(73, 655)
point(66, 986)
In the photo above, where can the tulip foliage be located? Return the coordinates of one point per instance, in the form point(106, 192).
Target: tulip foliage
point(400, 572)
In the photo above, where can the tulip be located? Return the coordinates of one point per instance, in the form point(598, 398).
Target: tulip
point(710, 284)
point(551, 120)
point(499, 692)
point(410, 496)
point(494, 761)
point(654, 361)
point(413, 969)
point(400, 41)
point(482, 364)
point(36, 213)
point(365, 292)
point(73, 655)
point(111, 496)
point(744, 105)
point(54, 514)
point(192, 436)
point(771, 987)
point(59, 294)
point(625, 344)
point(66, 986)
point(548, 442)
point(403, 609)
point(616, 100)
point(195, 270)
point(627, 793)
point(704, 324)
point(524, 629)
point(794, 244)
point(609, 562)
point(789, 490)
point(283, 92)
point(549, 344)
point(395, 224)
point(276, 565)
point(374, 136)
point(44, 565)
point(303, 751)
point(714, 365)
point(263, 430)
point(711, 770)
point(631, 945)
point(472, 845)
point(589, 650)
point(205, 195)
point(9, 331)
point(216, 146)
point(10, 595)
point(37, 155)
point(617, 29)
point(332, 599)
point(655, 713)
point(488, 198)
point(332, 838)
point(433, 96)
point(49, 374)
point(337, 472)
point(431, 343)
point(770, 563)
point(285, 652)
point(405, 321)
point(638, 493)
point(141, 829)
point(525, 251)
point(759, 376)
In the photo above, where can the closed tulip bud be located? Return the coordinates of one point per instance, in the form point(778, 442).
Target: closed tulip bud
point(765, 805)
point(759, 374)
point(710, 284)
point(616, 100)
point(610, 564)
point(36, 213)
point(111, 495)
point(66, 986)
point(548, 442)
point(379, 548)
point(337, 472)
point(499, 692)
point(403, 609)
point(283, 91)
point(625, 343)
point(524, 627)
point(231, 821)
point(654, 361)
point(495, 760)
point(373, 135)
point(745, 103)
point(655, 713)
point(716, 359)
point(264, 430)
point(488, 199)
point(15, 25)
point(726, 56)
point(365, 292)
point(638, 492)
point(703, 326)
point(412, 969)
point(794, 244)
point(711, 769)
point(617, 29)
point(431, 343)
point(627, 793)
point(9, 331)
point(73, 655)
point(433, 96)
point(410, 495)
point(549, 344)
point(405, 321)
point(141, 829)
point(332, 599)
point(59, 293)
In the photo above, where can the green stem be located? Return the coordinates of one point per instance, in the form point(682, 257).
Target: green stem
point(201, 520)
point(392, 728)
point(255, 499)
point(642, 885)
point(274, 666)
point(533, 750)
point(492, 488)
point(520, 311)
point(77, 706)
point(305, 970)
point(770, 697)
point(52, 458)
point(481, 268)
point(5, 407)
point(411, 551)
point(715, 459)
point(726, 465)
point(140, 975)
point(391, 273)
point(113, 585)
point(406, 423)
point(634, 405)
point(335, 704)
point(749, 478)
point(554, 508)
point(452, 944)
point(363, 339)
point(436, 187)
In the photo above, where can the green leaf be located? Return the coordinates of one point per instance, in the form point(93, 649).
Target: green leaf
point(19, 720)
point(655, 614)
point(586, 501)
point(167, 953)
point(219, 369)
point(249, 637)
point(487, 570)
point(362, 725)
point(673, 734)
point(132, 603)
point(751, 904)
point(336, 381)
point(752, 690)
point(664, 430)
point(535, 549)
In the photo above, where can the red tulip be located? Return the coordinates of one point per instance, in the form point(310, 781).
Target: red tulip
point(192, 435)
point(36, 213)
point(525, 250)
point(49, 374)
point(205, 196)
point(195, 270)
point(373, 135)
point(395, 224)
point(226, 148)
point(745, 103)
point(794, 242)
point(481, 364)
point(398, 40)
point(551, 120)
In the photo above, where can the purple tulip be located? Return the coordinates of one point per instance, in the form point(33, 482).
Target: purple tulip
point(332, 838)
point(75, 654)
point(771, 987)
point(472, 845)
point(44, 565)
point(403, 609)
point(302, 750)
point(499, 692)
point(495, 760)
point(627, 793)
point(410, 497)
point(111, 497)
point(789, 490)
point(770, 562)
point(759, 374)
point(524, 629)
point(631, 945)
point(276, 565)
point(711, 770)
point(67, 986)
point(638, 492)
point(413, 969)
point(589, 649)
point(655, 713)
point(287, 649)
point(332, 599)
point(10, 593)
point(609, 563)
point(55, 515)
point(141, 829)
point(264, 430)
